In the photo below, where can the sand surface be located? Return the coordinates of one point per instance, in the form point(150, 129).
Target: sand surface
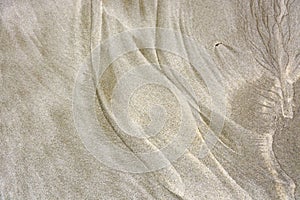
point(51, 113)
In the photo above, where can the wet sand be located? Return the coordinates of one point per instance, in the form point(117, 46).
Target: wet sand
point(255, 47)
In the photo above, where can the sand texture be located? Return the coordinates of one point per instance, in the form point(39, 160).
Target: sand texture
point(210, 88)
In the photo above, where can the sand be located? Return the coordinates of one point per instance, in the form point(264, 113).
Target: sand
point(238, 121)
